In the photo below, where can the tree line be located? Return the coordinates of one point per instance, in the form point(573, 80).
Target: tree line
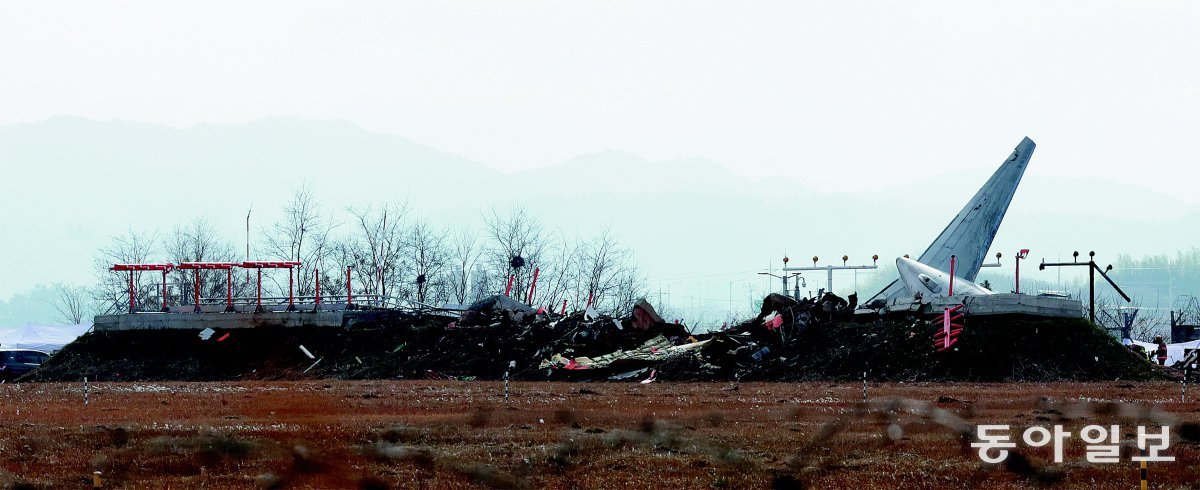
point(390, 250)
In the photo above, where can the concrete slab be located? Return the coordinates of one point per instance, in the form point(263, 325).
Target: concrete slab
point(995, 304)
point(218, 319)
point(200, 321)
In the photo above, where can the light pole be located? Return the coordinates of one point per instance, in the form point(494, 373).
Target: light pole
point(785, 281)
point(830, 268)
point(994, 264)
point(785, 277)
point(1092, 270)
point(1020, 255)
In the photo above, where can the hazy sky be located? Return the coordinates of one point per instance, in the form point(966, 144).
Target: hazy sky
point(839, 96)
point(844, 94)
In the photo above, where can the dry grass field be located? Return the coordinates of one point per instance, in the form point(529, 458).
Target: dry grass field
point(449, 434)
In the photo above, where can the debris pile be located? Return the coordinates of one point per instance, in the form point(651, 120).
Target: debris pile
point(501, 338)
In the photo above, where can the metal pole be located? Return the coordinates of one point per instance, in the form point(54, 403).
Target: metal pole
point(163, 297)
point(953, 258)
point(229, 290)
point(532, 285)
point(196, 292)
point(248, 239)
point(349, 293)
point(291, 287)
point(829, 279)
point(259, 308)
point(1092, 290)
point(317, 279)
point(1018, 273)
point(132, 302)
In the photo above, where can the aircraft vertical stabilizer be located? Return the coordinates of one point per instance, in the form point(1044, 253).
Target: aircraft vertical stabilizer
point(969, 235)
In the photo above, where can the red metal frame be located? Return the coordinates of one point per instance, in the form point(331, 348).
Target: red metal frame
point(131, 268)
point(142, 267)
point(199, 266)
point(268, 264)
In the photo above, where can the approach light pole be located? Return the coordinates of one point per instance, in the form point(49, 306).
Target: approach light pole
point(1092, 270)
point(994, 264)
point(784, 278)
point(830, 268)
point(1017, 277)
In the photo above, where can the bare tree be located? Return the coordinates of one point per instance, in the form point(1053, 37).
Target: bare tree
point(1115, 315)
point(199, 241)
point(630, 288)
point(377, 248)
point(73, 303)
point(112, 289)
point(428, 256)
point(514, 234)
point(604, 267)
point(302, 235)
point(559, 271)
point(484, 283)
point(464, 253)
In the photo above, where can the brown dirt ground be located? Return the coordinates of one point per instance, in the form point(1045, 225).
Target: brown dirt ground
point(448, 434)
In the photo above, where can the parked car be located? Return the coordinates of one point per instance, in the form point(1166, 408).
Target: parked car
point(16, 362)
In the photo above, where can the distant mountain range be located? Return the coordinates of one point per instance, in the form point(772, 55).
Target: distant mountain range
point(698, 228)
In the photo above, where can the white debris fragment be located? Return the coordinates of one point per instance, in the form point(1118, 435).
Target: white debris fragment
point(306, 352)
point(207, 333)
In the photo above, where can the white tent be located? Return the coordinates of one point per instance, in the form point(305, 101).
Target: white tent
point(1175, 352)
point(46, 338)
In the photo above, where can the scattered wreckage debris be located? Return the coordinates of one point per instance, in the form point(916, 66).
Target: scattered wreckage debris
point(809, 339)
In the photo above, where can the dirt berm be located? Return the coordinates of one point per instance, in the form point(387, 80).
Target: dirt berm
point(896, 349)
